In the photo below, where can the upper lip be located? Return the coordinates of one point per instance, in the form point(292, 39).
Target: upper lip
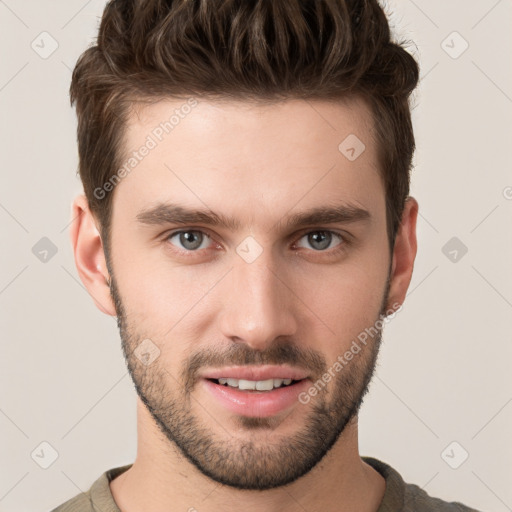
point(256, 373)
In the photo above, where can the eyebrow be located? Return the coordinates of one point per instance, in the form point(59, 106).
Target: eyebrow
point(171, 213)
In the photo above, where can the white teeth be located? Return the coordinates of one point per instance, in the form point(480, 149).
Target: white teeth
point(263, 385)
point(258, 385)
point(246, 384)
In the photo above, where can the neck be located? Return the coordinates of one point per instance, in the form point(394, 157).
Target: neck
point(161, 478)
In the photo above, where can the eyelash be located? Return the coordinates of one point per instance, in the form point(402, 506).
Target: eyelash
point(344, 240)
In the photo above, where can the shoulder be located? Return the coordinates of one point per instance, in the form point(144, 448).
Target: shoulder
point(80, 503)
point(417, 500)
point(98, 498)
point(400, 496)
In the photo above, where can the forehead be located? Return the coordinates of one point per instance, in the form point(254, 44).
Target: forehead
point(249, 157)
point(305, 120)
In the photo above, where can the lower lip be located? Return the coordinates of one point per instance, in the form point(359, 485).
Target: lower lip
point(257, 404)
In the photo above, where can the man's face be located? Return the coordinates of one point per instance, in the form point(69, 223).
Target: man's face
point(263, 292)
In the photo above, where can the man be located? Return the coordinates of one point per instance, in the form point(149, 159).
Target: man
point(246, 217)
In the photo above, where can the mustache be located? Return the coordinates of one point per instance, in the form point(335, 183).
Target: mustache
point(279, 353)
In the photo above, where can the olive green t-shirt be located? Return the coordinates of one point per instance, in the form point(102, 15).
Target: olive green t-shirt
point(398, 497)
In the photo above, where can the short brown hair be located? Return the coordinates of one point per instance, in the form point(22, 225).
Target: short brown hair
point(251, 50)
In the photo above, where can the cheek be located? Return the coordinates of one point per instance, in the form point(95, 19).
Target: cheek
point(160, 298)
point(346, 300)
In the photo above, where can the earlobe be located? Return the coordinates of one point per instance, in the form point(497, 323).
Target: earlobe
point(404, 253)
point(89, 255)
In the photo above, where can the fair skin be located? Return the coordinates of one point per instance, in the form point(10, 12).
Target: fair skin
point(257, 165)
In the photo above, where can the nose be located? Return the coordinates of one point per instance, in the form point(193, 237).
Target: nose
point(258, 304)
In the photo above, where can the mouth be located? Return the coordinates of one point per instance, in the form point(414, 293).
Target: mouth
point(257, 399)
point(252, 386)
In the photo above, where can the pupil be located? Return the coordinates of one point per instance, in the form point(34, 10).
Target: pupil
point(190, 239)
point(320, 236)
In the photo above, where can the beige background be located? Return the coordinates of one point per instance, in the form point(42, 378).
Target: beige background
point(444, 372)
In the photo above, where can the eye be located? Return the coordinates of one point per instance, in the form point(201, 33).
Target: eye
point(321, 240)
point(190, 240)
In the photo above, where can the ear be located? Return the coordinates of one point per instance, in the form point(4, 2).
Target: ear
point(404, 253)
point(89, 255)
